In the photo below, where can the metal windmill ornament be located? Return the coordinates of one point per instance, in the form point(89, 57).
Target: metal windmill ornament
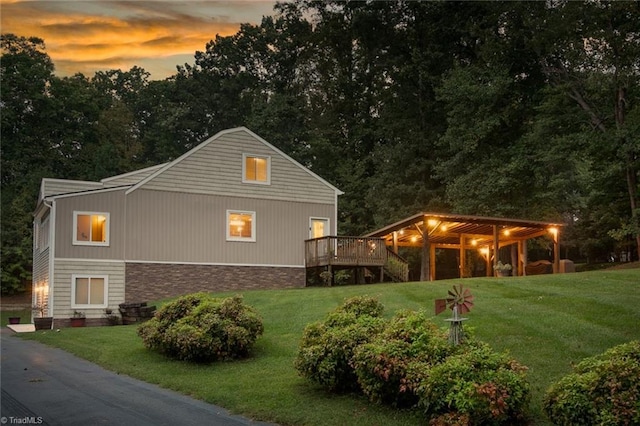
point(460, 301)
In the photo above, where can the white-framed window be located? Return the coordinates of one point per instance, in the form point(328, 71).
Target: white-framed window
point(89, 291)
point(91, 228)
point(43, 234)
point(256, 169)
point(241, 225)
point(318, 227)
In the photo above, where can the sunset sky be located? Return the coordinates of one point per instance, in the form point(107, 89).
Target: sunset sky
point(91, 35)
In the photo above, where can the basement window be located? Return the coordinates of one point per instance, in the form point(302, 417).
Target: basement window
point(89, 291)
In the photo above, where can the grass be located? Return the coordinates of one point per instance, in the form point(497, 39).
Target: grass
point(24, 314)
point(546, 322)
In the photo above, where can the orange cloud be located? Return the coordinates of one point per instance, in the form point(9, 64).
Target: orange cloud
point(86, 36)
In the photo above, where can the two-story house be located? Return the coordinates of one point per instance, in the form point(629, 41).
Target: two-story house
point(231, 214)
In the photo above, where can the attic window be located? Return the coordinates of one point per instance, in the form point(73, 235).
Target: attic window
point(256, 169)
point(241, 226)
point(91, 228)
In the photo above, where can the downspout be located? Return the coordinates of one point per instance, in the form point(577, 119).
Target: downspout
point(52, 249)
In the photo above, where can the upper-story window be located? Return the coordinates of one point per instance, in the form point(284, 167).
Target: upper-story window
point(256, 169)
point(91, 228)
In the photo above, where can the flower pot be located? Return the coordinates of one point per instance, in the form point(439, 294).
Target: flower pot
point(78, 322)
point(43, 323)
point(503, 273)
point(14, 320)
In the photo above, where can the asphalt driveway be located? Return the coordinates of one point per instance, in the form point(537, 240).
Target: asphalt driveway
point(48, 386)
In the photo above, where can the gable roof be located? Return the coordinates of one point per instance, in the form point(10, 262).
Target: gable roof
point(131, 177)
point(214, 138)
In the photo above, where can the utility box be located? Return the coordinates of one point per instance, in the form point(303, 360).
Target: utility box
point(566, 266)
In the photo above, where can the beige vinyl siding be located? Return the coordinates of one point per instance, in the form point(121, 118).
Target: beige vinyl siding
point(66, 268)
point(131, 178)
point(216, 169)
point(165, 226)
point(40, 274)
point(62, 186)
point(111, 202)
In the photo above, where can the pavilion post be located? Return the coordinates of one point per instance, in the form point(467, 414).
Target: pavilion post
point(487, 261)
point(522, 253)
point(556, 251)
point(496, 247)
point(463, 253)
point(425, 267)
point(432, 263)
point(395, 242)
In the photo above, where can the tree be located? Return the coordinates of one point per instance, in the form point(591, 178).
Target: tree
point(26, 75)
point(592, 52)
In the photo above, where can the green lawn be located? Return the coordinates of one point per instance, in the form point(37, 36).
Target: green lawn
point(24, 314)
point(546, 322)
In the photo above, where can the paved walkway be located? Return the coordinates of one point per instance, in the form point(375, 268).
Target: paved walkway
point(48, 386)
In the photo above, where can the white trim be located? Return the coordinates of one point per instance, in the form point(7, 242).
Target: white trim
point(107, 226)
point(335, 219)
point(161, 262)
point(88, 192)
point(105, 298)
point(52, 251)
point(77, 259)
point(244, 169)
point(230, 237)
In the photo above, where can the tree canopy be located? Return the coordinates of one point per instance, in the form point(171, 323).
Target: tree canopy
point(519, 109)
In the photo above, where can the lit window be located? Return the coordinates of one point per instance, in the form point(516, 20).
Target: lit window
point(91, 228)
point(241, 226)
point(256, 169)
point(89, 291)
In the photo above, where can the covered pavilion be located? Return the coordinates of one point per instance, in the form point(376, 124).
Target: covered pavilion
point(432, 231)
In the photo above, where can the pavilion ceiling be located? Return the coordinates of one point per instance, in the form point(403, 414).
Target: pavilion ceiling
point(447, 230)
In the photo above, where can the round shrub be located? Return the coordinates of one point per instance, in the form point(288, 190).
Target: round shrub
point(201, 328)
point(383, 365)
point(478, 383)
point(602, 390)
point(327, 347)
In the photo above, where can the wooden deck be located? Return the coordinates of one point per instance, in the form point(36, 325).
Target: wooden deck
point(355, 252)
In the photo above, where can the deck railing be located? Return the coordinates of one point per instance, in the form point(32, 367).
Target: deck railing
point(345, 251)
point(396, 267)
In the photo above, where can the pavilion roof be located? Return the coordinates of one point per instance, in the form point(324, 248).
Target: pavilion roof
point(446, 229)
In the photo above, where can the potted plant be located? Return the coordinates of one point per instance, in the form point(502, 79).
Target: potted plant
point(78, 319)
point(503, 269)
point(42, 322)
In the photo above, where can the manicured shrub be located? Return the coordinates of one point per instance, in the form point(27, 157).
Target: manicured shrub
point(327, 347)
point(201, 328)
point(478, 384)
point(409, 362)
point(383, 365)
point(602, 390)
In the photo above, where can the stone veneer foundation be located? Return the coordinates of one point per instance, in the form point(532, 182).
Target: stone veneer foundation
point(153, 281)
